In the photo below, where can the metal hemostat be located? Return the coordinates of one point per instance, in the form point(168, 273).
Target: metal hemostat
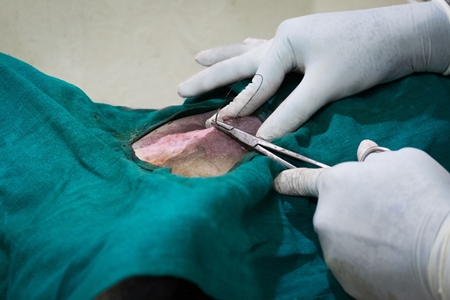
point(263, 146)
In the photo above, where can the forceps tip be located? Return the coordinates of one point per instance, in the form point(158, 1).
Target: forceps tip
point(219, 124)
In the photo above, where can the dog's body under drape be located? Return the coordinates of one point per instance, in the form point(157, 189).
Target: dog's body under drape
point(79, 212)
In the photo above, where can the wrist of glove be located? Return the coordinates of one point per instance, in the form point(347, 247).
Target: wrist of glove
point(340, 54)
point(383, 224)
point(439, 265)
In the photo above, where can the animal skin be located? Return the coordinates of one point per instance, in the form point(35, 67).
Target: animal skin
point(191, 149)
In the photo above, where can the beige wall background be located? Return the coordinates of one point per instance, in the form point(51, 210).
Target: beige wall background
point(135, 53)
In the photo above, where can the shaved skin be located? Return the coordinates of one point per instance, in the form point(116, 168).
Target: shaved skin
point(192, 150)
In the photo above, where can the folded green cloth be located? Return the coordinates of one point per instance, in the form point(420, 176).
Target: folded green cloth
point(79, 213)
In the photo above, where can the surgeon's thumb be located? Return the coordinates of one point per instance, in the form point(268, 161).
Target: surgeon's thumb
point(298, 182)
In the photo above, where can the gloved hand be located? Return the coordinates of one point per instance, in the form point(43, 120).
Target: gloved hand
point(383, 224)
point(340, 54)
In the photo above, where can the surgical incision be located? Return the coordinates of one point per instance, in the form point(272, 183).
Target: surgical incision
point(191, 149)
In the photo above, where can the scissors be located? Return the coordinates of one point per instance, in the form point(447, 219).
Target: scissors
point(262, 145)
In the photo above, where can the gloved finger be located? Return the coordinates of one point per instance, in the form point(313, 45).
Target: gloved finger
point(224, 72)
point(367, 150)
point(254, 41)
point(265, 83)
point(306, 99)
point(298, 182)
point(213, 56)
point(242, 104)
point(219, 74)
point(363, 147)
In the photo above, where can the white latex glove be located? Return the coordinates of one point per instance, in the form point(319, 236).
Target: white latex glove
point(340, 54)
point(383, 224)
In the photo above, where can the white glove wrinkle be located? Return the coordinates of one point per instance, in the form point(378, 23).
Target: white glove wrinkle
point(298, 182)
point(439, 264)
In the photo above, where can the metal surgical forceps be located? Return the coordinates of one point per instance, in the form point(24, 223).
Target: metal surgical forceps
point(261, 145)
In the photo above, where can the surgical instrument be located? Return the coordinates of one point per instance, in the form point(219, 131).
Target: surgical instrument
point(261, 145)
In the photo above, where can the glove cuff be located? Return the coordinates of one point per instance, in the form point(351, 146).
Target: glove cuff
point(439, 265)
point(445, 6)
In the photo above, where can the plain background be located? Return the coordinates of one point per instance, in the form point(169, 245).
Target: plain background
point(135, 53)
